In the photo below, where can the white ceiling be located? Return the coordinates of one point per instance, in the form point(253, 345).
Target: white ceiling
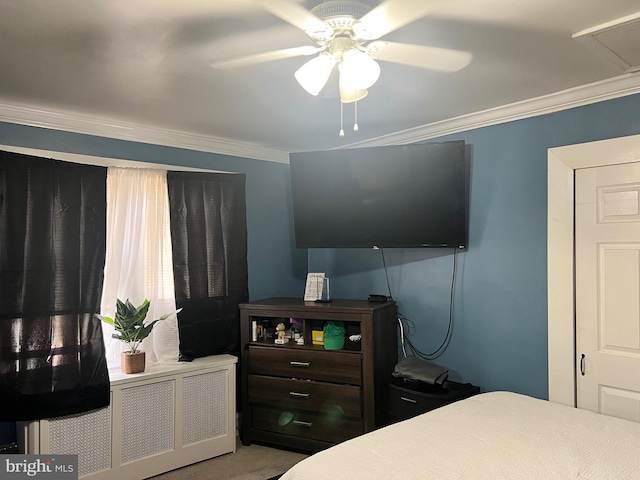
point(143, 66)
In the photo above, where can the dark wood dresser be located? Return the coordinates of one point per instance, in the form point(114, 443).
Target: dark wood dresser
point(306, 397)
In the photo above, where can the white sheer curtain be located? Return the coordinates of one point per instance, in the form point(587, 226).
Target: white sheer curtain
point(138, 262)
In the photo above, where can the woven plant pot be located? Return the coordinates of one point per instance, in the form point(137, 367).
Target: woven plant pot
point(132, 362)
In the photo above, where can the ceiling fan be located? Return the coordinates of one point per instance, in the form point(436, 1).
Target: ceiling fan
point(347, 34)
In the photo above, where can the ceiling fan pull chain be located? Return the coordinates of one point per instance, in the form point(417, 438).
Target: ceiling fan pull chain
point(355, 113)
point(341, 119)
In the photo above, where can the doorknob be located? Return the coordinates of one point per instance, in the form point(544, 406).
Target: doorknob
point(582, 364)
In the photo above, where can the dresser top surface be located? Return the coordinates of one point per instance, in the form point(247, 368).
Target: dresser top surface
point(334, 306)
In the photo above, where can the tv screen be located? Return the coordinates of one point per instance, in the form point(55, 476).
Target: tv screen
point(394, 196)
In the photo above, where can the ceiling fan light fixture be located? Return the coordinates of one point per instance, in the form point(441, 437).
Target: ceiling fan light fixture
point(313, 75)
point(349, 94)
point(358, 70)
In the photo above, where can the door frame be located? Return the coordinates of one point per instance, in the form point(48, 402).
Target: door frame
point(562, 163)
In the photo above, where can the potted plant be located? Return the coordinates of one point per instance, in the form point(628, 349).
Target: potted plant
point(131, 329)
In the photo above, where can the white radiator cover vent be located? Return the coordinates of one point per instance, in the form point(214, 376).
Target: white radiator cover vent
point(618, 42)
point(147, 415)
point(77, 434)
point(202, 420)
point(165, 418)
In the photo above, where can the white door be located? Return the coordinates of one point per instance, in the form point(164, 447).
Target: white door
point(607, 216)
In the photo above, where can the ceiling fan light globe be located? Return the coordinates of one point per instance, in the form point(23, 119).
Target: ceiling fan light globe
point(360, 71)
point(314, 74)
point(353, 95)
point(349, 94)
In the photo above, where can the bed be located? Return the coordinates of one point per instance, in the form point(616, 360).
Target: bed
point(491, 436)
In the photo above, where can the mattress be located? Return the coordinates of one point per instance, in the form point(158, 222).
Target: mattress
point(491, 436)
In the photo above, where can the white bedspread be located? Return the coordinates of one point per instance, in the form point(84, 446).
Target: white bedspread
point(497, 435)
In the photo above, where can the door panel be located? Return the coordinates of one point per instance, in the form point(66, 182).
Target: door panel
point(619, 269)
point(620, 403)
point(608, 289)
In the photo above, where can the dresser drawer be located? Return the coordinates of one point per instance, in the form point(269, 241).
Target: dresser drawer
point(306, 395)
point(328, 366)
point(405, 403)
point(327, 425)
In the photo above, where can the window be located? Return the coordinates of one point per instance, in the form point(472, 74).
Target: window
point(139, 262)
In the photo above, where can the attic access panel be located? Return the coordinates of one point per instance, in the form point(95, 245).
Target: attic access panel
point(618, 42)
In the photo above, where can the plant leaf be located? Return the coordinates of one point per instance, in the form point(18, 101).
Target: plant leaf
point(108, 320)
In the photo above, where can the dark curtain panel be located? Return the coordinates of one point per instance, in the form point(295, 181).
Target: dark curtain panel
point(52, 251)
point(209, 241)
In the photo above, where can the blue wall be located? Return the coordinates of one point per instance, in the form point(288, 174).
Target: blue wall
point(276, 268)
point(500, 327)
point(500, 331)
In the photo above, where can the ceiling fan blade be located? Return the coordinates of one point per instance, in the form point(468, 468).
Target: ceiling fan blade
point(391, 15)
point(432, 58)
point(298, 16)
point(264, 57)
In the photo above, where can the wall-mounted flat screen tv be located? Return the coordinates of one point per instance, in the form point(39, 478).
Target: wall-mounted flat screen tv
point(400, 196)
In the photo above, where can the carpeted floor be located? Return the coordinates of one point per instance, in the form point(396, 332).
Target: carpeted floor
point(255, 462)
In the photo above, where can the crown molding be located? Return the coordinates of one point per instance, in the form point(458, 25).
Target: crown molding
point(102, 161)
point(620, 86)
point(102, 127)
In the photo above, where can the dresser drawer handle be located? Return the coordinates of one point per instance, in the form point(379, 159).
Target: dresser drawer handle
point(410, 400)
point(302, 424)
point(299, 394)
point(300, 364)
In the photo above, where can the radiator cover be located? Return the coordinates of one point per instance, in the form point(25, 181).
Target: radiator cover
point(164, 418)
